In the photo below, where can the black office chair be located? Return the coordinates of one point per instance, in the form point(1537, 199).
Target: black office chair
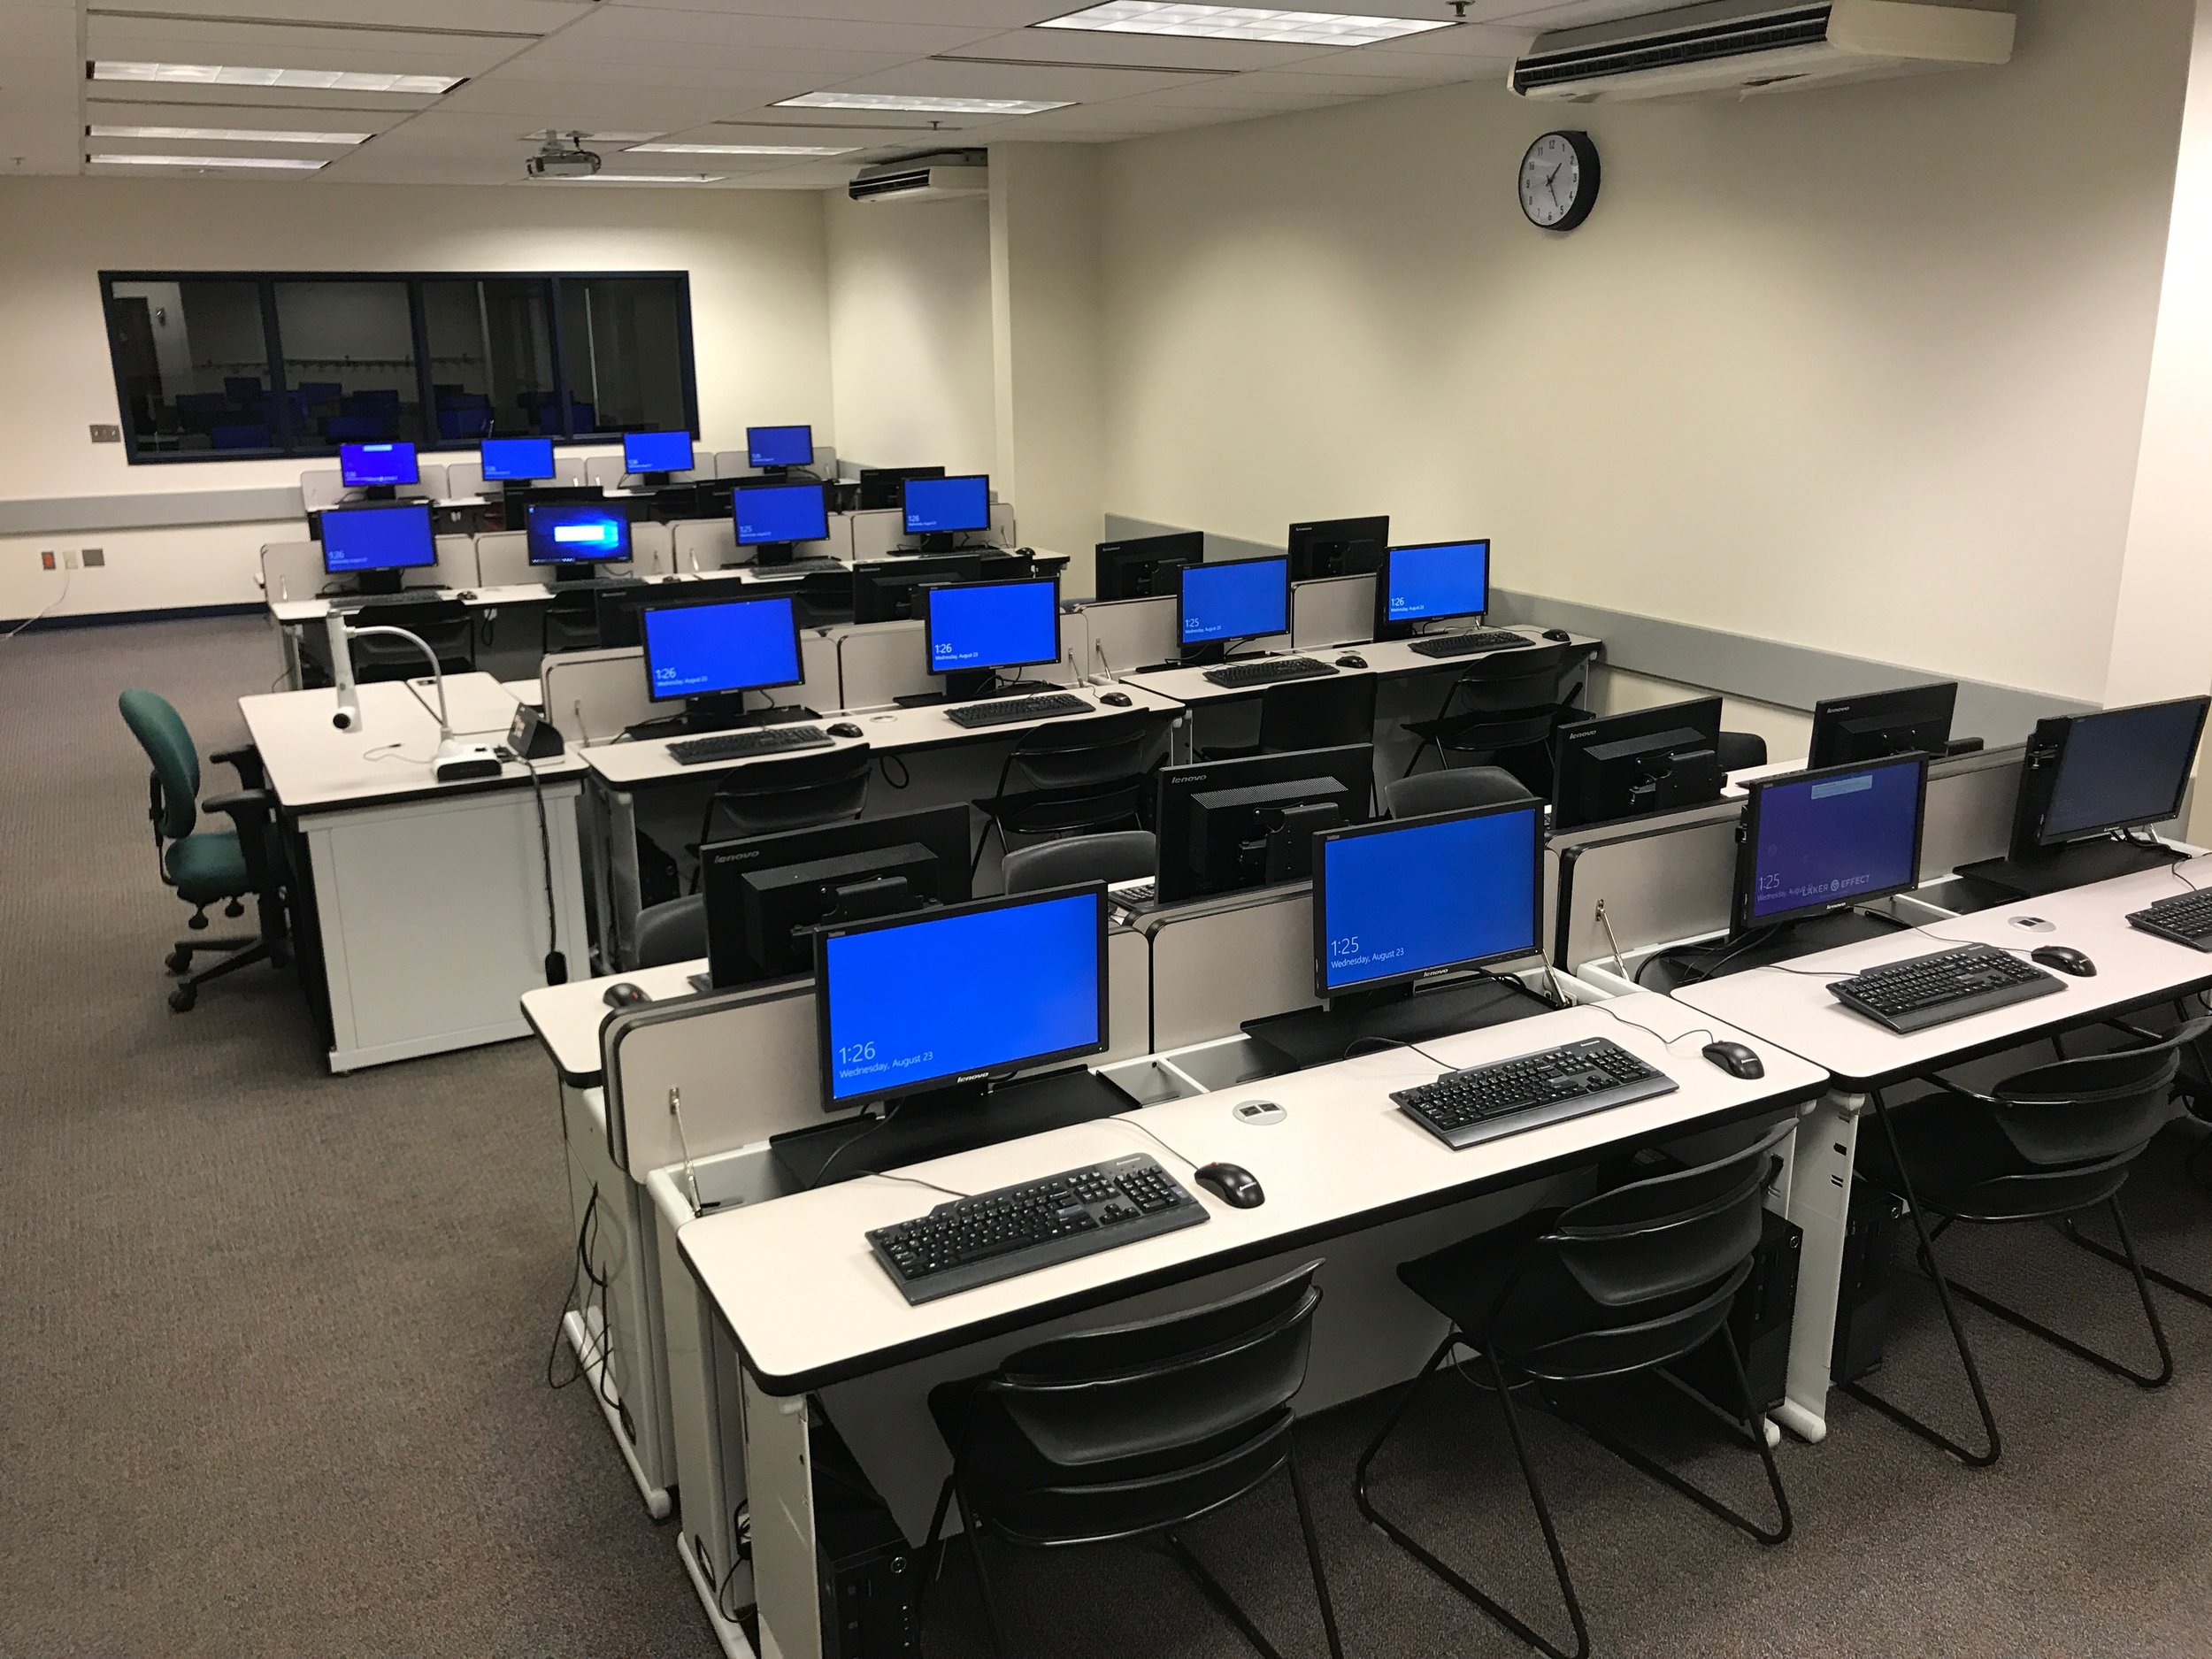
point(1502, 708)
point(568, 622)
point(2044, 1145)
point(1298, 714)
point(1617, 1285)
point(1454, 790)
point(672, 930)
point(1134, 1433)
point(1071, 777)
point(790, 792)
point(1739, 749)
point(1115, 856)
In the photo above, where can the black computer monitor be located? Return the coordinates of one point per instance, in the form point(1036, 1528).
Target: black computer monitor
point(765, 894)
point(1817, 842)
point(1433, 581)
point(1337, 547)
point(1219, 603)
point(884, 589)
point(779, 447)
point(939, 508)
point(771, 517)
point(377, 466)
point(1625, 766)
point(1145, 565)
point(650, 456)
point(883, 487)
point(708, 656)
point(1401, 902)
point(973, 629)
point(907, 1007)
point(2090, 775)
point(572, 536)
point(1224, 825)
point(375, 543)
point(1914, 719)
point(516, 460)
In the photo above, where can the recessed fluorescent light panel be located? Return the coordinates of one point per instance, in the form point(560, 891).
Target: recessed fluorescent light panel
point(740, 149)
point(642, 178)
point(919, 106)
point(310, 79)
point(1241, 23)
point(227, 134)
point(287, 164)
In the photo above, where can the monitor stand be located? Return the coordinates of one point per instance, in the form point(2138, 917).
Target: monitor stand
point(1762, 948)
point(379, 491)
point(2074, 866)
point(768, 556)
point(975, 685)
point(571, 572)
point(655, 480)
point(1322, 1036)
point(942, 1122)
point(369, 582)
point(723, 712)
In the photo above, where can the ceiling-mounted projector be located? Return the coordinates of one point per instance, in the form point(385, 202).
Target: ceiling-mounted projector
point(562, 159)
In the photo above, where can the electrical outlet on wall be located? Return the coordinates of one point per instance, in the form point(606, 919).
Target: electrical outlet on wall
point(69, 558)
point(106, 434)
point(95, 558)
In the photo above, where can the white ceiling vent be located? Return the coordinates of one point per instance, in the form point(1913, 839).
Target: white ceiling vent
point(941, 175)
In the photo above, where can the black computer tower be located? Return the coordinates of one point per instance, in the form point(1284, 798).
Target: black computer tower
point(1863, 1300)
point(1759, 1325)
point(869, 1580)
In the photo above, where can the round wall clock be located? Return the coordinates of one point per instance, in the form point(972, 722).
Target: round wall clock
point(1559, 180)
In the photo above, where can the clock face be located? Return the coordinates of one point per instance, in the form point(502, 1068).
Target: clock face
point(1559, 180)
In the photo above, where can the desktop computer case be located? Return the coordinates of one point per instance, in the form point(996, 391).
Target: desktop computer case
point(869, 1578)
point(1758, 1325)
point(1863, 1297)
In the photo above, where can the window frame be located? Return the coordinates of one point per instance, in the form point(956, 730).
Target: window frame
point(286, 447)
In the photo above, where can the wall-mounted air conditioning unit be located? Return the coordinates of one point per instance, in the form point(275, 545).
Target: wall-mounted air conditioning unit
point(942, 175)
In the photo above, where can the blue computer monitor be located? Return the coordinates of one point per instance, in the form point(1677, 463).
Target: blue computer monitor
point(909, 1005)
point(377, 465)
point(947, 506)
point(577, 533)
point(708, 650)
point(1233, 599)
point(781, 513)
point(1397, 903)
point(518, 460)
point(1817, 842)
point(973, 626)
point(656, 452)
point(1432, 582)
point(780, 446)
point(386, 536)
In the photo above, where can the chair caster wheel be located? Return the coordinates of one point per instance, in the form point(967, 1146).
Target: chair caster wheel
point(182, 998)
point(198, 924)
point(233, 910)
point(179, 961)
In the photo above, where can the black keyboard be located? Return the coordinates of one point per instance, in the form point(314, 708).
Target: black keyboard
point(1483, 1102)
point(1017, 1230)
point(1140, 892)
point(2185, 918)
point(375, 602)
point(1468, 644)
point(1265, 671)
point(769, 740)
point(1924, 991)
point(1006, 711)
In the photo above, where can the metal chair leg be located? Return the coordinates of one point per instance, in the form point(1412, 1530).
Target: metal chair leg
point(2033, 1328)
point(1223, 1602)
point(1313, 1553)
point(993, 1630)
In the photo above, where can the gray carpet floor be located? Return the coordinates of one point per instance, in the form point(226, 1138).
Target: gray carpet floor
point(274, 1381)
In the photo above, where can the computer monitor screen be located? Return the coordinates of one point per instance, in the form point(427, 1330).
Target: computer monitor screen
point(1337, 547)
point(392, 536)
point(2122, 768)
point(1146, 565)
point(516, 460)
point(1625, 766)
point(780, 446)
point(1911, 719)
point(945, 506)
point(911, 1004)
point(1226, 825)
point(713, 650)
point(1821, 840)
point(377, 465)
point(781, 513)
point(991, 624)
point(577, 533)
point(1401, 902)
point(1432, 582)
point(656, 452)
point(1233, 599)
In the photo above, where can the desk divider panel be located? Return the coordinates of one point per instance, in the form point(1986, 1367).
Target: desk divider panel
point(590, 696)
point(880, 661)
point(651, 549)
point(503, 560)
point(1132, 632)
point(1970, 804)
point(706, 544)
point(456, 567)
point(1337, 611)
point(1219, 964)
point(291, 570)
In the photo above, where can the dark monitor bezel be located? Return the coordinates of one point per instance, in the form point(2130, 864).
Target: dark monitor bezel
point(873, 479)
point(645, 644)
point(879, 575)
point(422, 508)
point(1142, 550)
point(1350, 763)
point(1741, 922)
point(691, 440)
point(1299, 539)
point(1327, 838)
point(1182, 639)
point(1579, 736)
point(1830, 738)
point(620, 512)
point(928, 596)
point(552, 462)
point(906, 510)
point(825, 990)
point(2070, 727)
point(346, 481)
point(821, 493)
point(752, 449)
point(1384, 619)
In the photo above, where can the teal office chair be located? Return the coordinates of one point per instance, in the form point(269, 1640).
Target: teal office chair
point(207, 865)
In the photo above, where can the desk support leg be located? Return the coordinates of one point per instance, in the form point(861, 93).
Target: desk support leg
point(1820, 1203)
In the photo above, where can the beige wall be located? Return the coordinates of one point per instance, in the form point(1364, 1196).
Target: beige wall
point(1861, 369)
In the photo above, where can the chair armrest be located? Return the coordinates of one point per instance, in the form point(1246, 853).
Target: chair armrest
point(1949, 1087)
point(244, 760)
point(252, 813)
point(2136, 1032)
point(241, 804)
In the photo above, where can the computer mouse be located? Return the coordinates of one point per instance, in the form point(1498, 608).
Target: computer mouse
point(625, 995)
point(2066, 959)
point(466, 594)
point(1117, 699)
point(1351, 659)
point(846, 728)
point(1559, 635)
point(1233, 1185)
point(1736, 1059)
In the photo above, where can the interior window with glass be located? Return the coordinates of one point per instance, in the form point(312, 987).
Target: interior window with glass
point(192, 366)
point(626, 346)
point(491, 358)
